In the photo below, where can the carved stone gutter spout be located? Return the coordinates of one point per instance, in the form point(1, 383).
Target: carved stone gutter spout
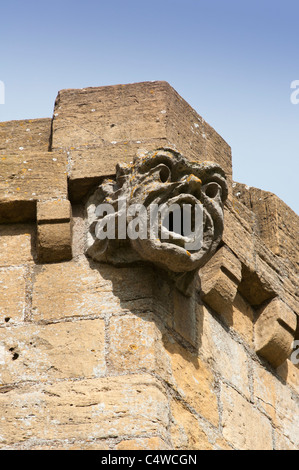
point(162, 178)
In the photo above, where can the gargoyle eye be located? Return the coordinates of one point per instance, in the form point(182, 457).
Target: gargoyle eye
point(212, 190)
point(164, 173)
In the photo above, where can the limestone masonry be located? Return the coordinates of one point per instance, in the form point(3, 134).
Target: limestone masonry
point(137, 344)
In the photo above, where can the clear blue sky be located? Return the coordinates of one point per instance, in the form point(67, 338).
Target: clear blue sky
point(232, 60)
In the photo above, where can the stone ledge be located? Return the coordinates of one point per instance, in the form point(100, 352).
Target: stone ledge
point(29, 177)
point(28, 135)
point(58, 210)
point(28, 180)
point(54, 242)
point(220, 278)
point(54, 231)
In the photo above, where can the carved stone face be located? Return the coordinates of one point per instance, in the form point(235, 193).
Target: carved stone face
point(160, 178)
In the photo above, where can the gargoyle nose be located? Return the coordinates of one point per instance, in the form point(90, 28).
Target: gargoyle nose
point(193, 185)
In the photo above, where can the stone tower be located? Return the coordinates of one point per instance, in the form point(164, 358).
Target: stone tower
point(128, 345)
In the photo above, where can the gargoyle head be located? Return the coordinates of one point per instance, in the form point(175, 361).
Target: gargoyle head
point(166, 179)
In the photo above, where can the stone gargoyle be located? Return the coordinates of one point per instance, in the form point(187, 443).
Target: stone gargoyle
point(161, 178)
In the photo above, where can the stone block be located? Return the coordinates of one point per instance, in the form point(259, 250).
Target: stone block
point(279, 402)
point(17, 244)
point(12, 295)
point(163, 298)
point(220, 293)
point(264, 389)
point(244, 426)
point(186, 432)
point(29, 177)
point(289, 371)
point(67, 290)
point(241, 193)
point(245, 214)
point(220, 278)
point(25, 135)
point(54, 243)
point(57, 351)
point(150, 443)
point(278, 272)
point(223, 353)
point(238, 316)
point(58, 210)
point(184, 316)
point(275, 331)
point(100, 408)
point(192, 379)
point(33, 444)
point(260, 284)
point(136, 344)
point(278, 225)
point(287, 413)
point(76, 289)
point(238, 237)
point(54, 231)
point(99, 127)
point(242, 319)
point(282, 443)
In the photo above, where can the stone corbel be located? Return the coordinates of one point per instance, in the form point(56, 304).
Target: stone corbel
point(220, 279)
point(54, 231)
point(275, 331)
point(34, 189)
point(276, 325)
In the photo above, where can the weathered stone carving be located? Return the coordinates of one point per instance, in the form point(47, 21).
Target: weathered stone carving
point(160, 177)
point(220, 279)
point(275, 331)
